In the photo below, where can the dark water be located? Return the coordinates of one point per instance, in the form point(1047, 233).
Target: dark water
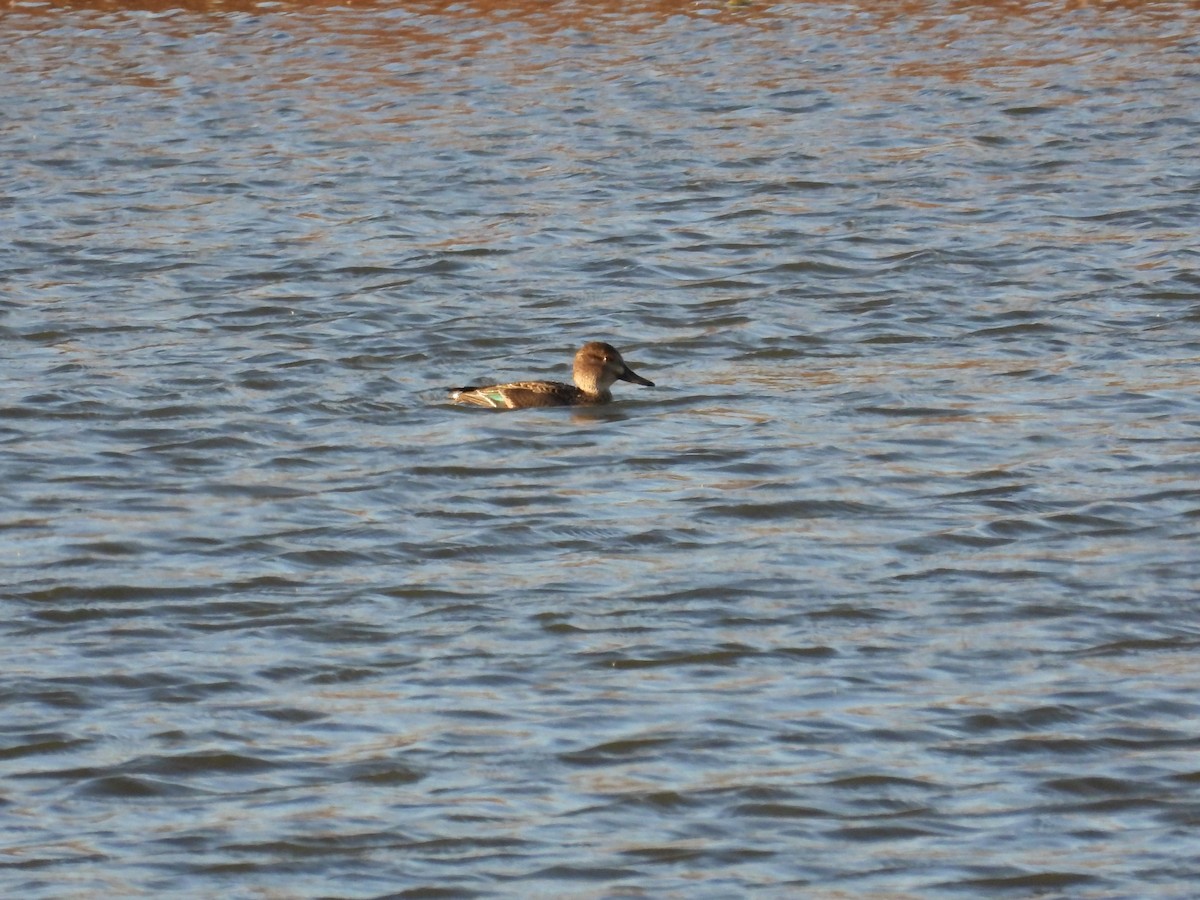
point(889, 589)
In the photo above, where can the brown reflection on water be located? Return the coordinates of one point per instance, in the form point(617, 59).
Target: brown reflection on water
point(955, 38)
point(919, 14)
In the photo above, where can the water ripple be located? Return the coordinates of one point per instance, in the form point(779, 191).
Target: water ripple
point(886, 589)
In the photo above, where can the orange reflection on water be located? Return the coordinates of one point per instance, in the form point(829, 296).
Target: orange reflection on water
point(920, 14)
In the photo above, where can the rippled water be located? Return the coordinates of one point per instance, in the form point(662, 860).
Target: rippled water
point(889, 588)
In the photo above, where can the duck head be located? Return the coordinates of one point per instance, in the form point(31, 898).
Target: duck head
point(598, 365)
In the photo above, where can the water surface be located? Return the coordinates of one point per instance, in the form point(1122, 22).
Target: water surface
point(887, 589)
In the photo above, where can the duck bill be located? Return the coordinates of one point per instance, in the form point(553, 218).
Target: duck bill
point(634, 377)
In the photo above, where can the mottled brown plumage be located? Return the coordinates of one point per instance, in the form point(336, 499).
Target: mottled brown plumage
point(597, 367)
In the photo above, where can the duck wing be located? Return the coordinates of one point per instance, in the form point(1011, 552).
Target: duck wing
point(518, 395)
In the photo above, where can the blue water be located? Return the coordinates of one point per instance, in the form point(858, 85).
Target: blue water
point(887, 589)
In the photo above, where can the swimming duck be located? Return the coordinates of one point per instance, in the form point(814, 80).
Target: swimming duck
point(597, 366)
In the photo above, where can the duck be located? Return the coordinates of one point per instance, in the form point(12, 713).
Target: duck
point(597, 367)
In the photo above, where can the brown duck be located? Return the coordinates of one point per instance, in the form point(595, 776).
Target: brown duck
point(597, 366)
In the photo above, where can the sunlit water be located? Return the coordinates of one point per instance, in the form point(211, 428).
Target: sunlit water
point(888, 588)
